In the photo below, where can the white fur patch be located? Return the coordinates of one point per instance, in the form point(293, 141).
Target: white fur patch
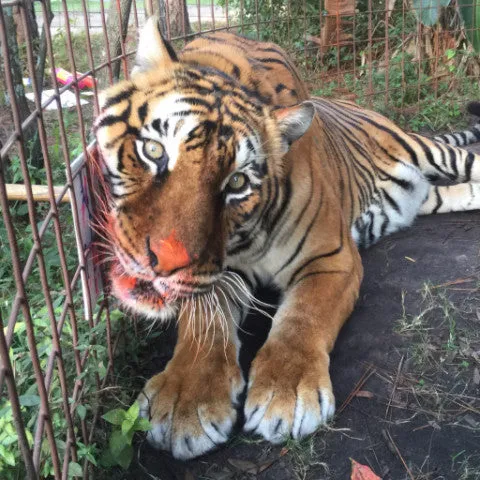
point(166, 109)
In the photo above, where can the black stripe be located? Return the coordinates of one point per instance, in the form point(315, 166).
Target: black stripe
point(396, 136)
point(186, 113)
point(371, 236)
point(275, 60)
point(429, 156)
point(385, 224)
point(391, 201)
point(195, 101)
point(236, 71)
point(404, 184)
point(320, 272)
point(439, 200)
point(142, 112)
point(125, 95)
point(302, 241)
point(468, 166)
point(298, 220)
point(271, 49)
point(452, 155)
point(476, 132)
point(331, 253)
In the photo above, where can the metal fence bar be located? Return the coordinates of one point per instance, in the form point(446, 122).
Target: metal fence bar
point(7, 370)
point(382, 81)
point(57, 351)
point(44, 417)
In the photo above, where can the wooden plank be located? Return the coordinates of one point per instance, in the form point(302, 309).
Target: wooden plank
point(40, 193)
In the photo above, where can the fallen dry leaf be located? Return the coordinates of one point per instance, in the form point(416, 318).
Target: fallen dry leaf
point(362, 472)
point(364, 394)
point(283, 451)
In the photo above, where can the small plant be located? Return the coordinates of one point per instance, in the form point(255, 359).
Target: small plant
point(127, 422)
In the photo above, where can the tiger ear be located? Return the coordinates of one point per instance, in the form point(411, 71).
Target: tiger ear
point(293, 122)
point(153, 50)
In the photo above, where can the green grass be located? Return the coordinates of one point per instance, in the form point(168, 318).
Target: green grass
point(411, 103)
point(77, 5)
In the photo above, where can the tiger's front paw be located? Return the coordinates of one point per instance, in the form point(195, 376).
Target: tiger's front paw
point(191, 405)
point(289, 394)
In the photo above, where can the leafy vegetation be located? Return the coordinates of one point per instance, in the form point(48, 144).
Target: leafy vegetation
point(75, 339)
point(127, 422)
point(409, 99)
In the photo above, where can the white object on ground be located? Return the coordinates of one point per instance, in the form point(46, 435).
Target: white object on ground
point(67, 98)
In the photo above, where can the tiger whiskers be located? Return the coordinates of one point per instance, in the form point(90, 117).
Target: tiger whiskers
point(240, 283)
point(251, 302)
point(223, 320)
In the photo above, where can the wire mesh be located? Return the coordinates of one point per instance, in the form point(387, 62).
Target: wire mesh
point(57, 346)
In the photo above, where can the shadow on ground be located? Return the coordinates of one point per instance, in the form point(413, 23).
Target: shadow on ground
point(410, 352)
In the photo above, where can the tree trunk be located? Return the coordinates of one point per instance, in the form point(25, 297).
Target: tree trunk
point(17, 36)
point(30, 136)
point(42, 48)
point(177, 16)
point(117, 27)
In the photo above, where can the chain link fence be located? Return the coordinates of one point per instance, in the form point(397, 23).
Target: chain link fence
point(60, 333)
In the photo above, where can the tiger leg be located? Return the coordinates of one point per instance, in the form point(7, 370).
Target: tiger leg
point(192, 403)
point(289, 389)
point(441, 161)
point(452, 198)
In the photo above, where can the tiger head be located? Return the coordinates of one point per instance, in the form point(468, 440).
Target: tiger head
point(188, 151)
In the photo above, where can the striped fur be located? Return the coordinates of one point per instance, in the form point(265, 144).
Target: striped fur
point(225, 176)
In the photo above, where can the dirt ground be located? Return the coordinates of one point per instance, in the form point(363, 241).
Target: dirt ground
point(405, 373)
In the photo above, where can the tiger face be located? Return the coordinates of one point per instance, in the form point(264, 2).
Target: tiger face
point(188, 153)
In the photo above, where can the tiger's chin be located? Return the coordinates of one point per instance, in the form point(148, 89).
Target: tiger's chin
point(141, 297)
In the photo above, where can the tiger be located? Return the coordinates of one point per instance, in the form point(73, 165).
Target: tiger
point(225, 175)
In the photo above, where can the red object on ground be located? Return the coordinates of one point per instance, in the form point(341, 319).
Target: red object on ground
point(65, 77)
point(362, 472)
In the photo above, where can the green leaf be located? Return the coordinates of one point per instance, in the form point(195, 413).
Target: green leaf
point(125, 459)
point(428, 11)
point(7, 456)
point(9, 439)
point(129, 436)
point(142, 425)
point(107, 460)
point(470, 13)
point(133, 411)
point(81, 411)
point(115, 417)
point(29, 400)
point(117, 443)
point(74, 470)
point(450, 53)
point(127, 425)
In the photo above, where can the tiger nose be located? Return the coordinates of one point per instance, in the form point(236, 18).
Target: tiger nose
point(167, 255)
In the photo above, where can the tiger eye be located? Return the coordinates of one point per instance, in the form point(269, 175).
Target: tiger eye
point(237, 181)
point(153, 150)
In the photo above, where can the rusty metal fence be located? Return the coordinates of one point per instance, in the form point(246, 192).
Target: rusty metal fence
point(414, 59)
